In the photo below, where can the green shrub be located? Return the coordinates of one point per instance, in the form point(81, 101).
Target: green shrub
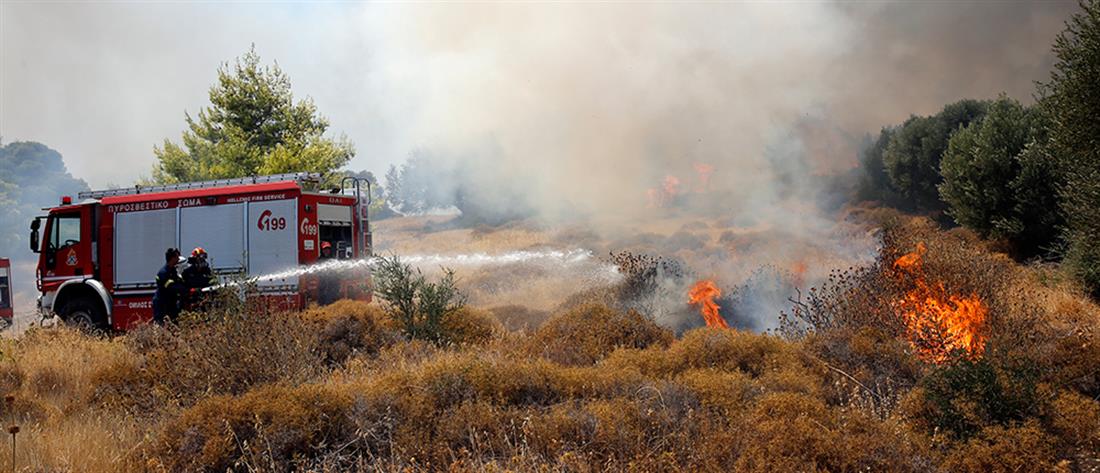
point(874, 184)
point(963, 398)
point(419, 306)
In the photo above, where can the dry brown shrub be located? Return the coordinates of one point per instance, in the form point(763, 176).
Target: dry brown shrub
point(125, 386)
point(469, 326)
point(1075, 421)
point(476, 430)
point(59, 366)
point(1003, 450)
point(795, 432)
point(731, 350)
point(348, 327)
point(452, 379)
point(85, 441)
point(230, 353)
point(562, 429)
point(11, 377)
point(871, 369)
point(519, 318)
point(269, 428)
point(589, 333)
point(730, 393)
point(637, 431)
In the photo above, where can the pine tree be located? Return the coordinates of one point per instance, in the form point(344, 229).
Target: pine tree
point(253, 126)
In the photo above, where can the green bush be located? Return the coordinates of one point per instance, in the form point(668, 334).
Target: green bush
point(963, 398)
point(418, 306)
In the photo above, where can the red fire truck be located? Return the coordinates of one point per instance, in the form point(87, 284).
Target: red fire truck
point(98, 257)
point(6, 310)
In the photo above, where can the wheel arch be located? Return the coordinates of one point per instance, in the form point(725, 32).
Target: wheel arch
point(87, 288)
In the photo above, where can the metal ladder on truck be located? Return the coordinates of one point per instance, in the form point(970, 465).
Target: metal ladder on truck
point(362, 212)
point(299, 177)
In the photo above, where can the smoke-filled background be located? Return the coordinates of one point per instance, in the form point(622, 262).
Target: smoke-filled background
point(736, 124)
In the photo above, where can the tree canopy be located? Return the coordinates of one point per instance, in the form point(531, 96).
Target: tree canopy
point(997, 178)
point(32, 176)
point(1072, 100)
point(912, 158)
point(253, 126)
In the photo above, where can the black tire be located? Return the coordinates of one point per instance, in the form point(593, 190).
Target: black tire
point(86, 315)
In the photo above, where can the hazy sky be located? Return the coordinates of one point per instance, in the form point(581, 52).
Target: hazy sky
point(608, 85)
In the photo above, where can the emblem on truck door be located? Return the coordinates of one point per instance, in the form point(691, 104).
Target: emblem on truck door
point(307, 228)
point(71, 259)
point(267, 222)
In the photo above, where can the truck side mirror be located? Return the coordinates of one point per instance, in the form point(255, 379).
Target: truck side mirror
point(34, 235)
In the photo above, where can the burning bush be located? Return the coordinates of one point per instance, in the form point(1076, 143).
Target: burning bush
point(702, 294)
point(652, 285)
point(946, 297)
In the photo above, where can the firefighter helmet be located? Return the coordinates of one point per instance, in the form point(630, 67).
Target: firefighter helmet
point(198, 252)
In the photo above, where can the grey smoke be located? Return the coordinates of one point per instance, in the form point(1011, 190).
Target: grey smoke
point(583, 107)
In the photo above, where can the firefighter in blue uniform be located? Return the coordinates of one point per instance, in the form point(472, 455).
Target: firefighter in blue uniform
point(166, 301)
point(196, 277)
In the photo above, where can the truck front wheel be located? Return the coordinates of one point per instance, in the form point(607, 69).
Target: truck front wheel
point(85, 315)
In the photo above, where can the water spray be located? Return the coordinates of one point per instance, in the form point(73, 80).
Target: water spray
point(556, 258)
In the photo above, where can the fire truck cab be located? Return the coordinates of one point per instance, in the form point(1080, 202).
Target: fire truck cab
point(6, 308)
point(98, 257)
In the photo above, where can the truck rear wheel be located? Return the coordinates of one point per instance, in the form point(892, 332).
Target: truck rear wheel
point(85, 315)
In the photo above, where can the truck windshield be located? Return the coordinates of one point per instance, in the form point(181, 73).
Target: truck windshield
point(65, 230)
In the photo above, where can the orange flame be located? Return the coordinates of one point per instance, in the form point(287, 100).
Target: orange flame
point(666, 194)
point(939, 324)
point(798, 271)
point(704, 171)
point(703, 294)
point(911, 261)
point(672, 186)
